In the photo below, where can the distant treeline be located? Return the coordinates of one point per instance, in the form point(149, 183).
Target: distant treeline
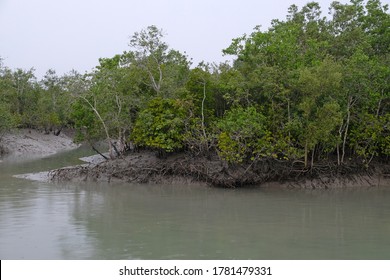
point(310, 89)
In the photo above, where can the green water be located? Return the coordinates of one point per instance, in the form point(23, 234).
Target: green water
point(123, 221)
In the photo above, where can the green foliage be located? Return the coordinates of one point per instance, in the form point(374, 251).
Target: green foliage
point(319, 110)
point(315, 78)
point(7, 120)
point(163, 70)
point(372, 137)
point(88, 127)
point(242, 131)
point(162, 124)
point(309, 87)
point(200, 88)
point(229, 149)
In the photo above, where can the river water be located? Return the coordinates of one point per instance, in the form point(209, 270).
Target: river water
point(124, 221)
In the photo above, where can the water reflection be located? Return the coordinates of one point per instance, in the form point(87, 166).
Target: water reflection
point(176, 222)
point(121, 221)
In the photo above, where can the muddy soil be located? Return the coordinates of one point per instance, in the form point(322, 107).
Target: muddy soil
point(30, 143)
point(146, 167)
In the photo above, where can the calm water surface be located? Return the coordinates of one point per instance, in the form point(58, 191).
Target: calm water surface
point(101, 221)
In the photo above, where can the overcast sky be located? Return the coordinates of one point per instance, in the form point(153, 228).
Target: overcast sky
point(74, 34)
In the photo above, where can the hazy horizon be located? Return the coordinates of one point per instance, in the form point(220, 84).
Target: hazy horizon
point(74, 34)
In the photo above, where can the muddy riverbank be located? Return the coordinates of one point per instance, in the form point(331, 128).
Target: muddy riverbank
point(146, 167)
point(30, 143)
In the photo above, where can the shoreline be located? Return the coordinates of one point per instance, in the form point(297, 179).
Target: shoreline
point(180, 168)
point(146, 167)
point(44, 176)
point(30, 144)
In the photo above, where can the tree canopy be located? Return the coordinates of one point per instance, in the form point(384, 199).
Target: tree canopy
point(309, 89)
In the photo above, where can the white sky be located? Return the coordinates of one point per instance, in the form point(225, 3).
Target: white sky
point(74, 34)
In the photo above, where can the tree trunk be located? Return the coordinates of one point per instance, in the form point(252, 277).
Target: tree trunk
point(350, 102)
point(110, 146)
point(97, 151)
point(312, 157)
point(338, 144)
point(306, 152)
point(204, 98)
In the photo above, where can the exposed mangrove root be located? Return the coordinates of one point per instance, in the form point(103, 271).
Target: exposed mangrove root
point(147, 168)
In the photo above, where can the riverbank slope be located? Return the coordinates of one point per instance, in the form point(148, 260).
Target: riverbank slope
point(30, 143)
point(146, 167)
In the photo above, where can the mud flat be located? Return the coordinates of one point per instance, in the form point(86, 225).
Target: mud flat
point(32, 144)
point(39, 176)
point(29, 143)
